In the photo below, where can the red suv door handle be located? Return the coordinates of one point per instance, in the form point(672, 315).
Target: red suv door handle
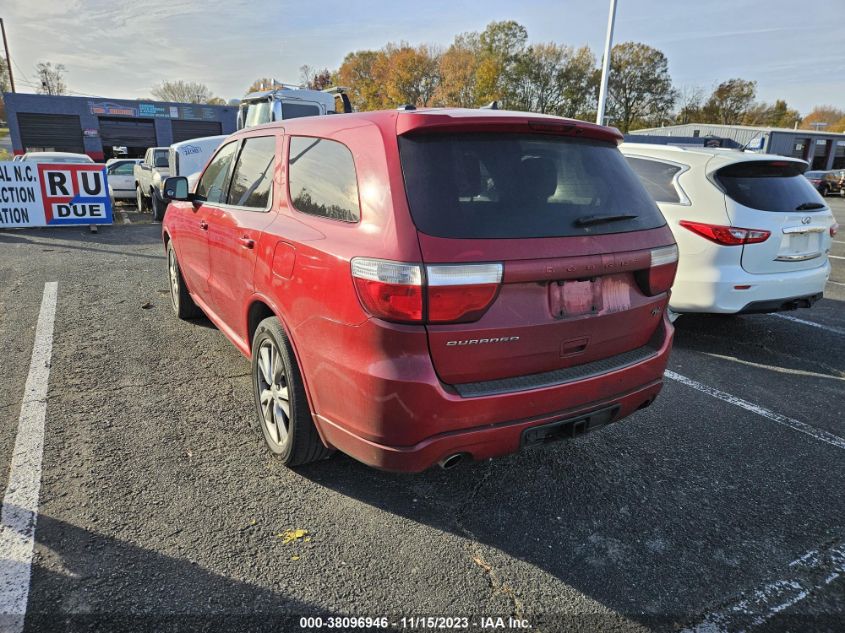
point(203, 225)
point(246, 242)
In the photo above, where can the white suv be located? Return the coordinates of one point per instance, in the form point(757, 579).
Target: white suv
point(753, 233)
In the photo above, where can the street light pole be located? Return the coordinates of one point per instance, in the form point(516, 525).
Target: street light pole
point(605, 67)
point(8, 59)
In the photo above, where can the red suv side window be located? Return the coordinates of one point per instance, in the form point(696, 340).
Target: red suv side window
point(252, 179)
point(321, 177)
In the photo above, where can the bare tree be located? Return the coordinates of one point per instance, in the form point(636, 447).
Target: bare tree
point(690, 103)
point(4, 75)
point(315, 79)
point(182, 92)
point(51, 79)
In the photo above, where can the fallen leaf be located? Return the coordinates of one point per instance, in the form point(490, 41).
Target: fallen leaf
point(147, 306)
point(294, 557)
point(291, 536)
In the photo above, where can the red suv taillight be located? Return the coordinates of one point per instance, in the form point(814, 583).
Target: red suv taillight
point(447, 293)
point(462, 292)
point(661, 273)
point(390, 290)
point(726, 235)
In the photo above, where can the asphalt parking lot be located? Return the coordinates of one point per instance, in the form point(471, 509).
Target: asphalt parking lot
point(720, 508)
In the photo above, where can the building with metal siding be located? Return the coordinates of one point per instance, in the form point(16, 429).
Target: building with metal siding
point(95, 126)
point(822, 150)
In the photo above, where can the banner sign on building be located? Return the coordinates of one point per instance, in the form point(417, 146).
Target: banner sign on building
point(111, 109)
point(154, 110)
point(45, 194)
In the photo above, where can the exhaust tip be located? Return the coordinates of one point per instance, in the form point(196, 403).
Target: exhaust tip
point(448, 463)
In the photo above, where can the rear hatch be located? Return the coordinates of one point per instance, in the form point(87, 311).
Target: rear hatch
point(774, 196)
point(558, 240)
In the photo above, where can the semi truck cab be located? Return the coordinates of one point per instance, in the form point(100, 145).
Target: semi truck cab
point(290, 102)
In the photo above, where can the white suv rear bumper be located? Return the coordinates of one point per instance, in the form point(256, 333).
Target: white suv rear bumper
point(709, 289)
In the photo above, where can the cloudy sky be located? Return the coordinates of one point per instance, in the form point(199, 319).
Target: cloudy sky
point(121, 49)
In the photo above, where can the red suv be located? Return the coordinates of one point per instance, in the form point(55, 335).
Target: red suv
point(419, 286)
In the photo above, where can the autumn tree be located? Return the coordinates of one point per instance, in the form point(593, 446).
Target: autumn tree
point(262, 83)
point(182, 92)
point(828, 114)
point(639, 86)
point(730, 101)
point(500, 47)
point(51, 79)
point(358, 72)
point(458, 68)
point(409, 74)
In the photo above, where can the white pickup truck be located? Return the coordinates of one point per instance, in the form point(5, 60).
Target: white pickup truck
point(155, 163)
point(186, 158)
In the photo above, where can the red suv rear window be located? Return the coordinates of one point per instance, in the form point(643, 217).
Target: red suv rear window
point(495, 185)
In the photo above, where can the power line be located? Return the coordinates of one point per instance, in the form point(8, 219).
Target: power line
point(37, 85)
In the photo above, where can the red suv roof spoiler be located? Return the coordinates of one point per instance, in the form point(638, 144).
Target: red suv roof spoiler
point(501, 121)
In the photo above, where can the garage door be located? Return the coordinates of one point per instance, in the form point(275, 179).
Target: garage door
point(56, 132)
point(125, 132)
point(186, 130)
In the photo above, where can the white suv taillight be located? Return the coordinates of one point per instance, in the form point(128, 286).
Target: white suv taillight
point(726, 235)
point(450, 293)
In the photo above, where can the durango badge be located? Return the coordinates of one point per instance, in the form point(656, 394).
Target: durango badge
point(481, 341)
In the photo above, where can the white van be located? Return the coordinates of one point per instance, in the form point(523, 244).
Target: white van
point(184, 159)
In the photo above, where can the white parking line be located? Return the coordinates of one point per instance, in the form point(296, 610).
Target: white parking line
point(829, 328)
point(20, 503)
point(835, 257)
point(795, 425)
point(761, 604)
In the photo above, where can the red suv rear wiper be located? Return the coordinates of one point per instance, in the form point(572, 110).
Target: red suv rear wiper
point(589, 220)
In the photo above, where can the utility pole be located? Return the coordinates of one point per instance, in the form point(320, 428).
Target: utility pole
point(8, 59)
point(605, 67)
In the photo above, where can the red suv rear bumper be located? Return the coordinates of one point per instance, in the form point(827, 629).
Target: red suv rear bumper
point(478, 427)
